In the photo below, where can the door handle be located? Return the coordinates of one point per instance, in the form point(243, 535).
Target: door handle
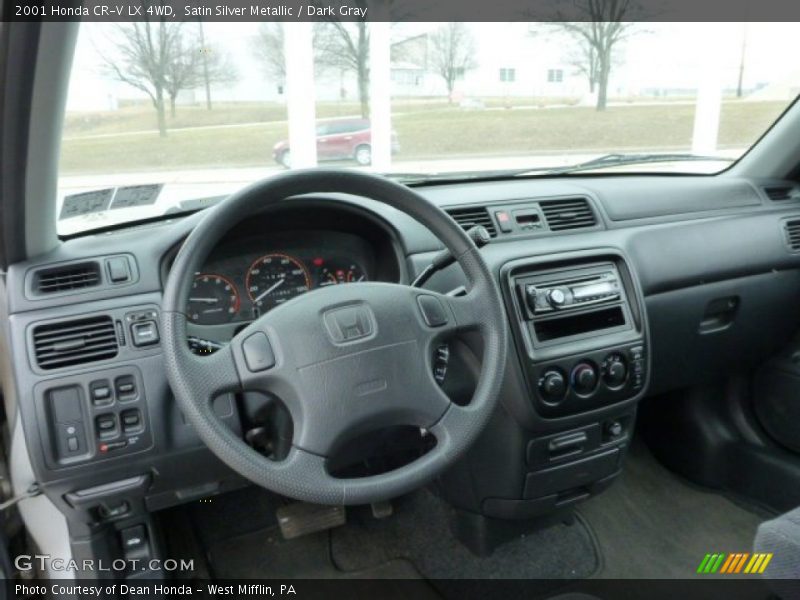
point(719, 314)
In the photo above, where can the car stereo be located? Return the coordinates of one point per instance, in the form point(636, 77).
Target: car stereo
point(574, 292)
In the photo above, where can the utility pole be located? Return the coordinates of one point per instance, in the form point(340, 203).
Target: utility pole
point(740, 84)
point(204, 52)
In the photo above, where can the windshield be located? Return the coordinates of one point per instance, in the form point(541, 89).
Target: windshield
point(165, 117)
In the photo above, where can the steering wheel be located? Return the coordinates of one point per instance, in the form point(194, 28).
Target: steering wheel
point(343, 359)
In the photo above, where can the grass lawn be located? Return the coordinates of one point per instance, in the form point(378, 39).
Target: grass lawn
point(426, 129)
point(141, 116)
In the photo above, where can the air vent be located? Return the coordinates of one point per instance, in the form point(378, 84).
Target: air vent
point(779, 193)
point(470, 216)
point(66, 278)
point(793, 234)
point(70, 343)
point(571, 213)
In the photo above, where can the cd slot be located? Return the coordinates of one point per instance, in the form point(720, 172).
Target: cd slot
point(579, 324)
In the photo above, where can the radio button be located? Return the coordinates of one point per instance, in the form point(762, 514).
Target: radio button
point(531, 295)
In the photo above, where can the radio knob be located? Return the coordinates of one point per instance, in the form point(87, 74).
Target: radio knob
point(584, 378)
point(556, 297)
point(552, 385)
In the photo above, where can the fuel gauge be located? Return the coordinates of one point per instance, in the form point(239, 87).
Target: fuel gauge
point(346, 273)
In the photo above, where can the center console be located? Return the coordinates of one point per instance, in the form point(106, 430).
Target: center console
point(569, 404)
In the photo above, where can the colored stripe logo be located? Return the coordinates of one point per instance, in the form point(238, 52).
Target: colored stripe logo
point(736, 562)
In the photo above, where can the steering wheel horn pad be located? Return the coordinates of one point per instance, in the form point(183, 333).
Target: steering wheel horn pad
point(343, 359)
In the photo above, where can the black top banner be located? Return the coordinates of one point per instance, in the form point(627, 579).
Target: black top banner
point(402, 10)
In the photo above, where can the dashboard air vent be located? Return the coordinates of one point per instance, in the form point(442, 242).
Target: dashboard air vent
point(780, 192)
point(470, 216)
point(66, 278)
point(570, 213)
point(70, 343)
point(793, 234)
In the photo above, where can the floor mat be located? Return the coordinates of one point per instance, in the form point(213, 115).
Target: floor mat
point(266, 555)
point(652, 524)
point(419, 532)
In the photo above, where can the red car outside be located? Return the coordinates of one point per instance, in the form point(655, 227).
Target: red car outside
point(338, 139)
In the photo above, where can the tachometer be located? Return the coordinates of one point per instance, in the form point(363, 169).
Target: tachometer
point(346, 273)
point(275, 278)
point(212, 300)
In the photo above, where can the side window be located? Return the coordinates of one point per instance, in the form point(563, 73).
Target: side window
point(340, 128)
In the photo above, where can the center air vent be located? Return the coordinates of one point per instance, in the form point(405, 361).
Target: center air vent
point(793, 233)
point(66, 278)
point(570, 213)
point(468, 217)
point(70, 343)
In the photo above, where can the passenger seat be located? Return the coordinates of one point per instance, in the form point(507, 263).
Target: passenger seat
point(781, 537)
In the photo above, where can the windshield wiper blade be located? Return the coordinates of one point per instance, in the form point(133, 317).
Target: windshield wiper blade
point(607, 160)
point(615, 160)
point(455, 176)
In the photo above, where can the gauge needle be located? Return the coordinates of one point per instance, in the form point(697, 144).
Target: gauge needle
point(274, 286)
point(205, 300)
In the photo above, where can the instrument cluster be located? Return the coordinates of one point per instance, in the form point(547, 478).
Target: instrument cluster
point(240, 286)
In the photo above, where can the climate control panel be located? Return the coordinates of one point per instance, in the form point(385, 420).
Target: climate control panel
point(579, 383)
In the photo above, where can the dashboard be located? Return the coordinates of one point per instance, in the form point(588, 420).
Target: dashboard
point(700, 284)
point(246, 278)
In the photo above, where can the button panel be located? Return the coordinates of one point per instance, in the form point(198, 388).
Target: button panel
point(92, 417)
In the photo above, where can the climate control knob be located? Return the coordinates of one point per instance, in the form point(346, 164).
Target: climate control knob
point(552, 385)
point(615, 370)
point(584, 378)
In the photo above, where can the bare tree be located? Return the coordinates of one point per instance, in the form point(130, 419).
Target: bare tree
point(452, 53)
point(584, 60)
point(598, 35)
point(196, 63)
point(269, 49)
point(345, 46)
point(182, 70)
point(143, 53)
point(214, 65)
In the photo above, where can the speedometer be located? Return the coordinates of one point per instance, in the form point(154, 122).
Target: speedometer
point(212, 300)
point(275, 278)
